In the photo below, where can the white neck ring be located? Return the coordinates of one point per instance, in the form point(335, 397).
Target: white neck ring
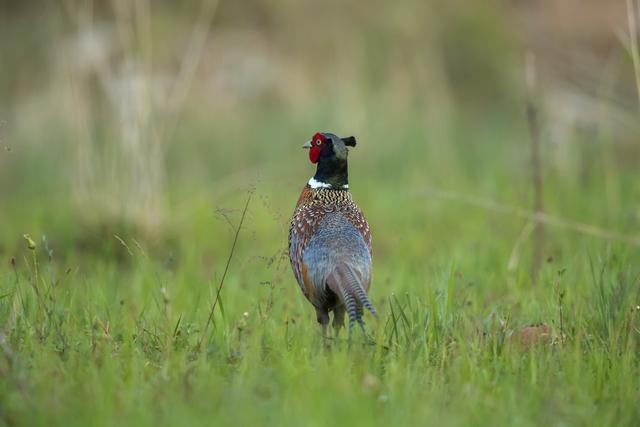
point(317, 184)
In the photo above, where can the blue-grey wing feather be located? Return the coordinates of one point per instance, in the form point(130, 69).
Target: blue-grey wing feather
point(336, 242)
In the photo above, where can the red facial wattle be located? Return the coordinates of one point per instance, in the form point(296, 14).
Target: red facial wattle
point(317, 143)
point(314, 153)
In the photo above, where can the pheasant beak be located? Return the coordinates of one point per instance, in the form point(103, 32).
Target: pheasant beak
point(307, 144)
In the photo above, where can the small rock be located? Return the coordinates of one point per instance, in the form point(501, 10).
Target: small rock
point(532, 335)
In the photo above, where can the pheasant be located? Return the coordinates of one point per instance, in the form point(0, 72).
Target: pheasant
point(330, 239)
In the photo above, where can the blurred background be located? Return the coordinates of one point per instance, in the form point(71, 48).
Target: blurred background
point(153, 120)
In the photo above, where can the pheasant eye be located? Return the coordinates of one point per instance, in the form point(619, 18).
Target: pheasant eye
point(318, 142)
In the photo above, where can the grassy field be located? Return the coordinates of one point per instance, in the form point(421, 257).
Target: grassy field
point(104, 306)
point(113, 336)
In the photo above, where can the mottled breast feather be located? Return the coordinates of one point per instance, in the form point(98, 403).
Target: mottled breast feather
point(312, 207)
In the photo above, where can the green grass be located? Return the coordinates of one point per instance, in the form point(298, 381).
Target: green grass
point(98, 333)
point(101, 324)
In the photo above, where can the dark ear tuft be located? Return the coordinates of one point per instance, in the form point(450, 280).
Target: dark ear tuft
point(349, 141)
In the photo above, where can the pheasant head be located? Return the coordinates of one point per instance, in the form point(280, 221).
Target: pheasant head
point(330, 153)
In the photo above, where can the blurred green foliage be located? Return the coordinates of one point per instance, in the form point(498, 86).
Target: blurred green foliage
point(149, 122)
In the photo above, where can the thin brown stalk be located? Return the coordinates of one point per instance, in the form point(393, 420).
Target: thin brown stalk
point(536, 166)
point(494, 206)
point(632, 20)
point(193, 55)
point(224, 274)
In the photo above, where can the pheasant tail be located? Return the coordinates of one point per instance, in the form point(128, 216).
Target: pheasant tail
point(345, 282)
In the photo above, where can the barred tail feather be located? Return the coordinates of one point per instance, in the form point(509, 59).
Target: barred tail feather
point(350, 305)
point(360, 293)
point(346, 283)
